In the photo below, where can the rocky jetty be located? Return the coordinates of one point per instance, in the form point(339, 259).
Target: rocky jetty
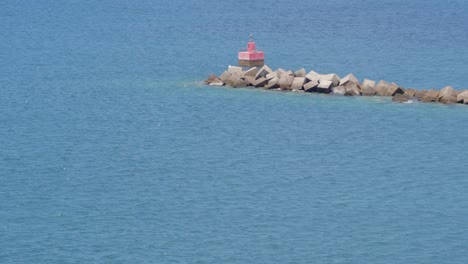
point(313, 82)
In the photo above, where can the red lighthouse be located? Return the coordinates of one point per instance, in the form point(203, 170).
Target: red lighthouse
point(251, 57)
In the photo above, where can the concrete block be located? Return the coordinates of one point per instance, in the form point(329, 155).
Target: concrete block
point(251, 72)
point(211, 78)
point(447, 95)
point(352, 89)
point(431, 96)
point(352, 93)
point(271, 75)
point(338, 90)
point(349, 78)
point(324, 86)
point(250, 80)
point(311, 86)
point(263, 71)
point(234, 69)
point(233, 78)
point(410, 92)
point(240, 82)
point(280, 72)
point(300, 73)
point(260, 82)
point(420, 94)
point(448, 99)
point(313, 76)
point(368, 91)
point(285, 81)
point(402, 98)
point(225, 76)
point(381, 88)
point(368, 87)
point(368, 83)
point(272, 84)
point(394, 89)
point(216, 82)
point(462, 97)
point(333, 77)
point(297, 83)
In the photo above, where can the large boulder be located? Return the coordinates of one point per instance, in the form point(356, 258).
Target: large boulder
point(311, 86)
point(462, 98)
point(394, 89)
point(420, 94)
point(349, 78)
point(297, 83)
point(431, 96)
point(300, 73)
point(402, 98)
point(251, 72)
point(324, 86)
point(381, 88)
point(333, 77)
point(368, 87)
point(263, 71)
point(448, 95)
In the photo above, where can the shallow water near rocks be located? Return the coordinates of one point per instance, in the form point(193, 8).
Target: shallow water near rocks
point(113, 151)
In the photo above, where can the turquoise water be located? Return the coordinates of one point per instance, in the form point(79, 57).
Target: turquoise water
point(113, 151)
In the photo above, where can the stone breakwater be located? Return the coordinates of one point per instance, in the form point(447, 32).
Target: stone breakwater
point(313, 82)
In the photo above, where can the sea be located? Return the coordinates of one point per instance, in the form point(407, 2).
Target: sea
point(113, 150)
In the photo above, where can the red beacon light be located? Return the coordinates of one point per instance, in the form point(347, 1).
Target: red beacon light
point(251, 57)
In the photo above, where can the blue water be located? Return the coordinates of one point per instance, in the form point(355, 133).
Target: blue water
point(113, 151)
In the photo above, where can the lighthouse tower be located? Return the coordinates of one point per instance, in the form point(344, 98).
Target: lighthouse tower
point(251, 57)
